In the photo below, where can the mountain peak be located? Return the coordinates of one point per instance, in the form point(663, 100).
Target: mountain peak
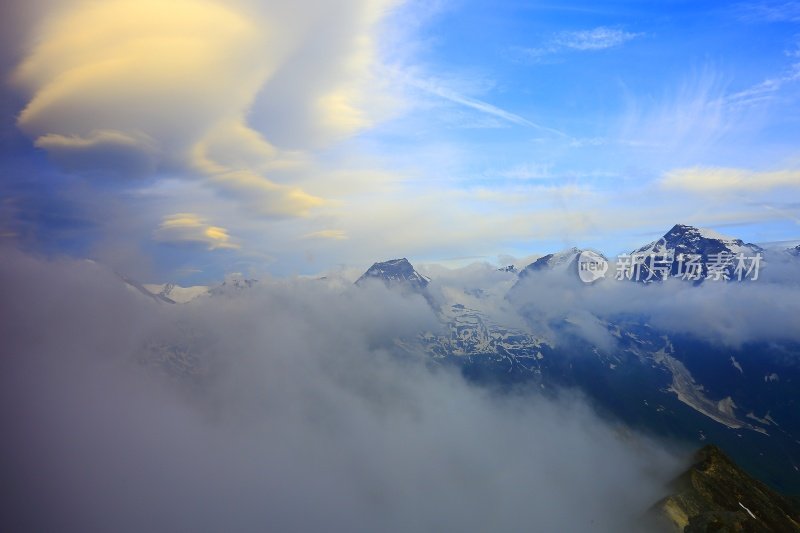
point(563, 259)
point(232, 286)
point(686, 231)
point(395, 272)
point(685, 241)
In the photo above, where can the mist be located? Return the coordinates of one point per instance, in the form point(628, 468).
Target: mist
point(286, 407)
point(729, 314)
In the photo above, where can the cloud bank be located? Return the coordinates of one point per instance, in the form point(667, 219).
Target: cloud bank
point(284, 408)
point(729, 314)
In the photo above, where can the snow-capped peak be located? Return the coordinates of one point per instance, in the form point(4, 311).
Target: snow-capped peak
point(176, 293)
point(395, 272)
point(232, 286)
point(688, 241)
point(562, 259)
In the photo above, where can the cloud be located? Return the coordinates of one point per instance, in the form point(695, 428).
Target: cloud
point(728, 314)
point(686, 122)
point(722, 180)
point(436, 88)
point(285, 407)
point(191, 228)
point(765, 90)
point(133, 87)
point(769, 11)
point(110, 152)
point(599, 38)
point(332, 234)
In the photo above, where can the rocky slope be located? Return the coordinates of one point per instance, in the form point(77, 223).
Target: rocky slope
point(715, 494)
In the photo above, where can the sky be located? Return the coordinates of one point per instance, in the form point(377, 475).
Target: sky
point(188, 140)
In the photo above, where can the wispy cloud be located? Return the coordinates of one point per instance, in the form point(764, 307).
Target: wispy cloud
point(770, 11)
point(765, 90)
point(437, 89)
point(687, 121)
point(527, 171)
point(721, 179)
point(330, 234)
point(596, 39)
point(599, 38)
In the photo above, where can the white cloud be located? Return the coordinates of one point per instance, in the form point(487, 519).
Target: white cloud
point(716, 180)
point(765, 90)
point(595, 39)
point(332, 234)
point(685, 122)
point(599, 38)
point(437, 88)
point(769, 11)
point(288, 396)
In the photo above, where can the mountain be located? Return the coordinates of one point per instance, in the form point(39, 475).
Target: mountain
point(795, 251)
point(715, 494)
point(395, 272)
point(176, 293)
point(563, 259)
point(586, 265)
point(141, 289)
point(232, 286)
point(509, 268)
point(688, 252)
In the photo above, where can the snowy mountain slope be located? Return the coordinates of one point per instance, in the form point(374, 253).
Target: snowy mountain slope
point(563, 259)
point(176, 293)
point(137, 287)
point(232, 286)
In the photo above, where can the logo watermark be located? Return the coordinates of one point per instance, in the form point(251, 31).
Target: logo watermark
point(657, 266)
point(591, 266)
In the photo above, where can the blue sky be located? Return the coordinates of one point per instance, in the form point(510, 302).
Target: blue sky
point(209, 137)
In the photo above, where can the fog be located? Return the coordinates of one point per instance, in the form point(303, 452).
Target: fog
point(763, 310)
point(285, 407)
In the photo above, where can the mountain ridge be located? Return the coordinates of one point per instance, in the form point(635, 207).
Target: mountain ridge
point(716, 494)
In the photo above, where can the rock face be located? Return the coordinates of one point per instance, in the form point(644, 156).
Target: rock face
point(395, 272)
point(715, 494)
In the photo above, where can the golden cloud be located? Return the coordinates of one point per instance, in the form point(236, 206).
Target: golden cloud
point(332, 234)
point(132, 86)
point(192, 228)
